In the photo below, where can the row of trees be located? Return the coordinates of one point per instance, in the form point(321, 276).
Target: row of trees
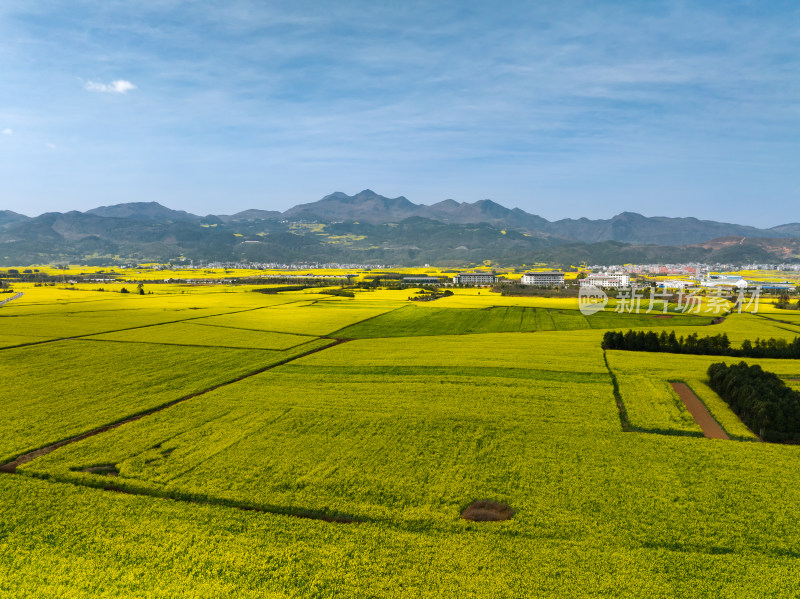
point(760, 399)
point(711, 345)
point(785, 302)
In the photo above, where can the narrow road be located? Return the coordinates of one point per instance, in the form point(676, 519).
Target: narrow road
point(5, 301)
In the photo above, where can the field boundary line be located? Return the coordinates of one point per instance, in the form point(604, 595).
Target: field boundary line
point(623, 413)
point(197, 344)
point(11, 467)
point(223, 326)
point(105, 299)
point(352, 324)
point(200, 499)
point(795, 331)
point(765, 317)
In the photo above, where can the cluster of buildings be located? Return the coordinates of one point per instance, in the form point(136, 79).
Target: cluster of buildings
point(189, 264)
point(545, 278)
point(692, 269)
point(607, 280)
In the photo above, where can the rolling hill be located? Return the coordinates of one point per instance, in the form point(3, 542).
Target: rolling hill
point(368, 227)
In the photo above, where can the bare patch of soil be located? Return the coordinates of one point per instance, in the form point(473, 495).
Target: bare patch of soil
point(104, 470)
point(487, 510)
point(663, 316)
point(718, 320)
point(699, 412)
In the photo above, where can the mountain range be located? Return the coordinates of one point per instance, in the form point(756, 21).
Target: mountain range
point(368, 227)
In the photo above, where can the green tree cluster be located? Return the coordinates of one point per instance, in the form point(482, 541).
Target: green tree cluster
point(710, 345)
point(760, 399)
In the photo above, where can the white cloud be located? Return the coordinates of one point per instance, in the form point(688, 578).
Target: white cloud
point(8, 132)
point(120, 86)
point(51, 146)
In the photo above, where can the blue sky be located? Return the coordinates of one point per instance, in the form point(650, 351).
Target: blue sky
point(564, 109)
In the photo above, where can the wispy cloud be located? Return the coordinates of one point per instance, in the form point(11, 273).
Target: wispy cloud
point(120, 86)
point(8, 132)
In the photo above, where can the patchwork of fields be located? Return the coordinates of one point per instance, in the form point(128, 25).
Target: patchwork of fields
point(376, 422)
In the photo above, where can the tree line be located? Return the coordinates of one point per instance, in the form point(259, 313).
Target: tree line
point(710, 345)
point(760, 399)
point(785, 302)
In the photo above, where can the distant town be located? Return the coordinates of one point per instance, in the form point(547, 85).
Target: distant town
point(767, 277)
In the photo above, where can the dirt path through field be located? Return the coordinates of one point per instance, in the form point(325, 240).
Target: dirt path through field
point(699, 412)
point(5, 301)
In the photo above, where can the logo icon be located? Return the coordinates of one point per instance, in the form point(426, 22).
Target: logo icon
point(591, 299)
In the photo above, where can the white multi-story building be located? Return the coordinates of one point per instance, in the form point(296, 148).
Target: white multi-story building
point(475, 278)
point(607, 280)
point(552, 278)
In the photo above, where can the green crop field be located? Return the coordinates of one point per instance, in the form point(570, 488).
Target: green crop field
point(303, 445)
point(320, 317)
point(410, 321)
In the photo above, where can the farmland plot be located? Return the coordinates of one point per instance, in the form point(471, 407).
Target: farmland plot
point(64, 388)
point(399, 434)
point(610, 320)
point(653, 406)
point(371, 465)
point(108, 545)
point(576, 352)
point(692, 370)
point(94, 312)
point(407, 463)
point(11, 340)
point(412, 321)
point(738, 327)
point(301, 317)
point(416, 320)
point(360, 441)
point(200, 334)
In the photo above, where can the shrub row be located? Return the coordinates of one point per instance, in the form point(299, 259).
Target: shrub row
point(711, 345)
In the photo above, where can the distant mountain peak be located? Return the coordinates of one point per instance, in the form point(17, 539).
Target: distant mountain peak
point(142, 210)
point(9, 216)
point(336, 195)
point(366, 206)
point(447, 203)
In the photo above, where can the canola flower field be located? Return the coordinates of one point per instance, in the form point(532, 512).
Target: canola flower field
point(305, 445)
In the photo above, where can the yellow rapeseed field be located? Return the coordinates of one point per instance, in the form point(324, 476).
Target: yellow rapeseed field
point(277, 455)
